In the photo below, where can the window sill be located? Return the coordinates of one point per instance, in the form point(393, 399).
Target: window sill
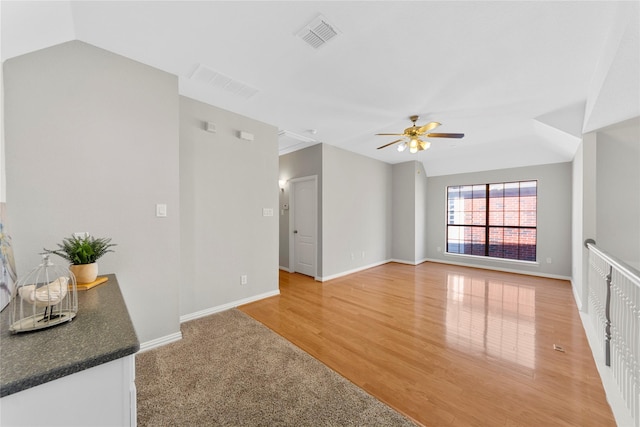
point(492, 259)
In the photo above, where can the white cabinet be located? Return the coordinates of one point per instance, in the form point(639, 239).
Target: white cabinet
point(104, 395)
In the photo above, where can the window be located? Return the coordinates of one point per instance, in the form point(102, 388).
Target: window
point(493, 220)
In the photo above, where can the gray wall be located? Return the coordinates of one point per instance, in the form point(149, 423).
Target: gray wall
point(225, 182)
point(356, 212)
point(403, 223)
point(299, 164)
point(92, 145)
point(583, 213)
point(409, 212)
point(618, 191)
point(554, 217)
point(3, 175)
point(421, 208)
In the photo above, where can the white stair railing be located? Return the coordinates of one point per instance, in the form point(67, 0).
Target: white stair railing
point(614, 308)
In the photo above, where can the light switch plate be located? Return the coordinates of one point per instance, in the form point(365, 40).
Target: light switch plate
point(161, 210)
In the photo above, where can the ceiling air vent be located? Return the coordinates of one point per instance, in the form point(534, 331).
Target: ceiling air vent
point(218, 80)
point(318, 32)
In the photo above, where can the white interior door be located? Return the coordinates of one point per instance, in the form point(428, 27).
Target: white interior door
point(304, 225)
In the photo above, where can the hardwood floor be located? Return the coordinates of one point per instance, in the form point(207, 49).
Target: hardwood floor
point(448, 345)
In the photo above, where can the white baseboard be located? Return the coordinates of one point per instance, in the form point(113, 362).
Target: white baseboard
point(506, 270)
point(159, 342)
point(576, 296)
point(345, 273)
point(404, 261)
point(227, 306)
point(285, 269)
point(440, 261)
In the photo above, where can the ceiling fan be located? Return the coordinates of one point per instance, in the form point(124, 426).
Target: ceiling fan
point(413, 134)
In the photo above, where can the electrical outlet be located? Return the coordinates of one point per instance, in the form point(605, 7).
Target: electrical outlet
point(243, 279)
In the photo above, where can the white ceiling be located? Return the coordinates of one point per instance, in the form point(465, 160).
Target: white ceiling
point(522, 80)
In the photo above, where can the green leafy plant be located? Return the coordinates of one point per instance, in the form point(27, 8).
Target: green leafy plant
point(82, 250)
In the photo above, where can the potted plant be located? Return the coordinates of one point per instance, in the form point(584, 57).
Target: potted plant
point(82, 253)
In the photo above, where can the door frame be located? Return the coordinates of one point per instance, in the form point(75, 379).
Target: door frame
point(292, 208)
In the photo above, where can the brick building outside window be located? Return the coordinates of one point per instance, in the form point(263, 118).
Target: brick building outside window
point(496, 220)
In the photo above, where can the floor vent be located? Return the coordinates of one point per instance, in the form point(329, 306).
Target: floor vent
point(205, 75)
point(318, 32)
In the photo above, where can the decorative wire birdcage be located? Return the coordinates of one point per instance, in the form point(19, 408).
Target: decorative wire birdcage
point(45, 297)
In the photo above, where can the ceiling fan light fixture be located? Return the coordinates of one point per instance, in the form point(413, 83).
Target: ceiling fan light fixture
point(413, 143)
point(424, 145)
point(402, 147)
point(413, 150)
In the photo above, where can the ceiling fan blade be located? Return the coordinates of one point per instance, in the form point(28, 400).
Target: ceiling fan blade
point(391, 134)
point(427, 127)
point(445, 135)
point(391, 143)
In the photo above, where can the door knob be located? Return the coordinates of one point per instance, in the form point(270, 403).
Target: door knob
point(295, 231)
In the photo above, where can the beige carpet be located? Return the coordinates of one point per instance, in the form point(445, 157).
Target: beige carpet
point(230, 370)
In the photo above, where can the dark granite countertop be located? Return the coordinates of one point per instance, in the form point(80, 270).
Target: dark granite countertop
point(101, 332)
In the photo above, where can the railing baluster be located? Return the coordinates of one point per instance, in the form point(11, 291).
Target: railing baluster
point(607, 322)
point(614, 308)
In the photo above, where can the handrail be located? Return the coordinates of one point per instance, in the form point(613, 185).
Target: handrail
point(620, 265)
